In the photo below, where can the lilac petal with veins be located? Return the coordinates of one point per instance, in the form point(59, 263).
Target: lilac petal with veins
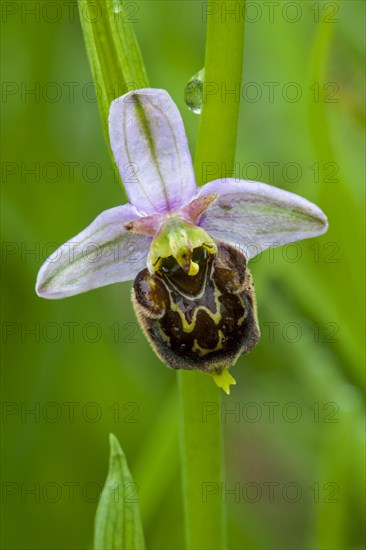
point(103, 253)
point(254, 216)
point(151, 149)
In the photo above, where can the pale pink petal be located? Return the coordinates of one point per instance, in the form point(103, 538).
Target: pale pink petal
point(151, 150)
point(254, 216)
point(101, 254)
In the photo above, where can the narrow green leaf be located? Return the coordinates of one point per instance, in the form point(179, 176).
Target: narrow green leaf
point(117, 523)
point(113, 51)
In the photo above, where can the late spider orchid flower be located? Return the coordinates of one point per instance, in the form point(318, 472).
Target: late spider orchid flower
point(186, 247)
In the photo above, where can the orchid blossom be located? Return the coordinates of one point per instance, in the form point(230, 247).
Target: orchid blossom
point(186, 247)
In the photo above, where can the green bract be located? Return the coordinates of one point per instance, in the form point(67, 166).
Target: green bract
point(118, 522)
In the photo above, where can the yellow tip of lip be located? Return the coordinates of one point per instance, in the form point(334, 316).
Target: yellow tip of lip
point(224, 380)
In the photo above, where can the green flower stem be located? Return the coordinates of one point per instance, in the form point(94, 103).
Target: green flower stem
point(202, 432)
point(201, 448)
point(221, 89)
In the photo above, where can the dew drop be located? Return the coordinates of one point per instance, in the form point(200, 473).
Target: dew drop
point(193, 92)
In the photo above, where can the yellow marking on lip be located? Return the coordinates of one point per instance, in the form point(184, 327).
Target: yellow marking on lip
point(204, 351)
point(184, 294)
point(189, 327)
point(243, 317)
point(165, 337)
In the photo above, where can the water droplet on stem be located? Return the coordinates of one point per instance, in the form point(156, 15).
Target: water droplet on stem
point(193, 92)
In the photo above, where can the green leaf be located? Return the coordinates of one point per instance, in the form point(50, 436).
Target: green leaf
point(113, 51)
point(117, 523)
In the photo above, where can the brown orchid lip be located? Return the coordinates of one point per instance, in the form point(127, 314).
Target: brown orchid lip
point(203, 322)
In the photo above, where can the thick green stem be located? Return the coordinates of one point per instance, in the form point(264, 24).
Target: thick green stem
point(201, 443)
point(215, 153)
point(201, 426)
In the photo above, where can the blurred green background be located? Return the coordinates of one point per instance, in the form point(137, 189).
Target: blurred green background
point(294, 444)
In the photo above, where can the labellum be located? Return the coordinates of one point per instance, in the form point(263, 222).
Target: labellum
point(202, 321)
